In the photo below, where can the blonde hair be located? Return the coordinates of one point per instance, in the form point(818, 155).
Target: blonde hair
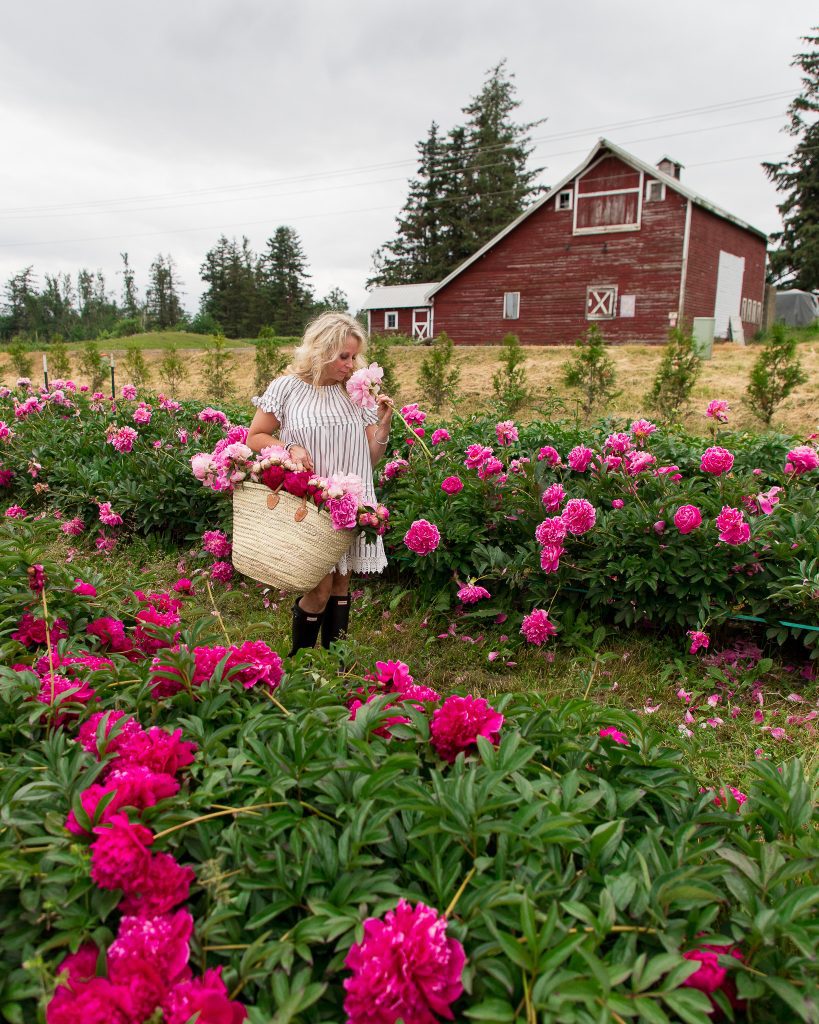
point(321, 343)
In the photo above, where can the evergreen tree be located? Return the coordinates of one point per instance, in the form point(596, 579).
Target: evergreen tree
point(20, 312)
point(418, 252)
point(163, 308)
point(497, 155)
point(286, 297)
point(56, 304)
point(469, 186)
point(97, 310)
point(130, 301)
point(335, 300)
point(796, 258)
point(232, 296)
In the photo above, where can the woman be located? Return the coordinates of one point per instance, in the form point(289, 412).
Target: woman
point(309, 412)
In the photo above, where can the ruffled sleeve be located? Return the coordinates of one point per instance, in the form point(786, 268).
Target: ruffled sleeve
point(275, 397)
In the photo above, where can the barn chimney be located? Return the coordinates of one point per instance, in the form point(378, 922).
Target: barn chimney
point(670, 167)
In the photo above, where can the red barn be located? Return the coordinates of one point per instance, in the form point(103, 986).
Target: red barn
point(617, 242)
point(400, 309)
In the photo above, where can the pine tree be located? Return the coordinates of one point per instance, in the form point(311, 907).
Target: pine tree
point(497, 155)
point(286, 297)
point(20, 313)
point(130, 302)
point(796, 257)
point(469, 186)
point(163, 308)
point(56, 301)
point(232, 296)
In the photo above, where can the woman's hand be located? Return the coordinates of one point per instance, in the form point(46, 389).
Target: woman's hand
point(302, 458)
point(385, 407)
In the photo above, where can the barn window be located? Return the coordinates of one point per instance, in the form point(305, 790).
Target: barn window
point(743, 310)
point(390, 321)
point(564, 199)
point(511, 305)
point(601, 301)
point(655, 191)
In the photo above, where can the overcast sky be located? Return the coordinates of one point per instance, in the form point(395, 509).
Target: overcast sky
point(156, 126)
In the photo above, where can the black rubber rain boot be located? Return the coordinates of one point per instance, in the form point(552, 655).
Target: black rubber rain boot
point(336, 619)
point(306, 626)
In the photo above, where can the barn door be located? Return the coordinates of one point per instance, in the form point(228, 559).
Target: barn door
point(729, 291)
point(422, 324)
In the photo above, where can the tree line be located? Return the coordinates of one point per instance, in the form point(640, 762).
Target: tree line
point(245, 292)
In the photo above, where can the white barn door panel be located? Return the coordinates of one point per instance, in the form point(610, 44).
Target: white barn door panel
point(729, 291)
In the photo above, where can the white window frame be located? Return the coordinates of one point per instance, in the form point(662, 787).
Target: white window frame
point(651, 185)
point(388, 315)
point(611, 290)
point(515, 299)
point(566, 194)
point(639, 190)
point(743, 311)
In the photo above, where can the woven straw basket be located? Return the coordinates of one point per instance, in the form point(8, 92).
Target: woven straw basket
point(291, 546)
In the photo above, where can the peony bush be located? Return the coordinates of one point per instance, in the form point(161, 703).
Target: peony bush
point(192, 826)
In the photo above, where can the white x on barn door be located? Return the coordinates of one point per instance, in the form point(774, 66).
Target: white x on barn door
point(601, 302)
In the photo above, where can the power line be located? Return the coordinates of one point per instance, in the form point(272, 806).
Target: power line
point(318, 175)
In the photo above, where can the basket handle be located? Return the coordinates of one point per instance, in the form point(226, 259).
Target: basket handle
point(301, 511)
point(273, 498)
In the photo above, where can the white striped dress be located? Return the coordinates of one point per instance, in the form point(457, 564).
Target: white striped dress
point(325, 422)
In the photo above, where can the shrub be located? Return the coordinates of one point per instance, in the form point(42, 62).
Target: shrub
point(92, 365)
point(59, 365)
point(172, 370)
point(591, 373)
point(437, 378)
point(127, 327)
point(21, 362)
point(205, 323)
point(136, 367)
point(396, 339)
point(217, 367)
point(509, 383)
point(676, 375)
point(775, 374)
point(270, 359)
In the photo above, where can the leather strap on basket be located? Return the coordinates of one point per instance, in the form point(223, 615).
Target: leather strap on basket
point(301, 511)
point(273, 498)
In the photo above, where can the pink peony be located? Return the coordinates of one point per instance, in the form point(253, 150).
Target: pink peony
point(111, 633)
point(31, 631)
point(343, 512)
point(537, 628)
point(550, 455)
point(459, 721)
point(364, 385)
point(716, 460)
point(422, 537)
point(732, 526)
point(614, 735)
point(491, 467)
point(618, 444)
point(107, 514)
point(617, 503)
point(150, 955)
point(642, 429)
point(394, 674)
point(221, 572)
point(157, 749)
point(551, 531)
point(209, 415)
point(16, 512)
point(261, 664)
point(452, 485)
point(579, 458)
point(395, 468)
point(122, 439)
point(121, 724)
point(476, 455)
point(84, 589)
point(718, 410)
point(638, 462)
point(553, 497)
point(550, 555)
point(216, 543)
point(506, 432)
point(687, 518)
point(698, 640)
point(579, 516)
point(439, 436)
point(404, 968)
point(802, 459)
point(73, 527)
point(120, 855)
point(470, 594)
point(128, 392)
point(205, 996)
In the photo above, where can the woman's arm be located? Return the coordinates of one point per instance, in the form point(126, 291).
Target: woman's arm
point(263, 432)
point(378, 434)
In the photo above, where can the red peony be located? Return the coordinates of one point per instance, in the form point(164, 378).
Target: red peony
point(120, 855)
point(206, 996)
point(459, 721)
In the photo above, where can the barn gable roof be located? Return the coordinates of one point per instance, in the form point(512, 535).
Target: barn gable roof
point(628, 158)
point(399, 296)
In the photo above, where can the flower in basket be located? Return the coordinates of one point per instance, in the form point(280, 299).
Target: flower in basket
point(343, 511)
point(364, 385)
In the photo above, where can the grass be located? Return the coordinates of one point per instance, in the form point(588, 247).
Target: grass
point(637, 672)
point(724, 376)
